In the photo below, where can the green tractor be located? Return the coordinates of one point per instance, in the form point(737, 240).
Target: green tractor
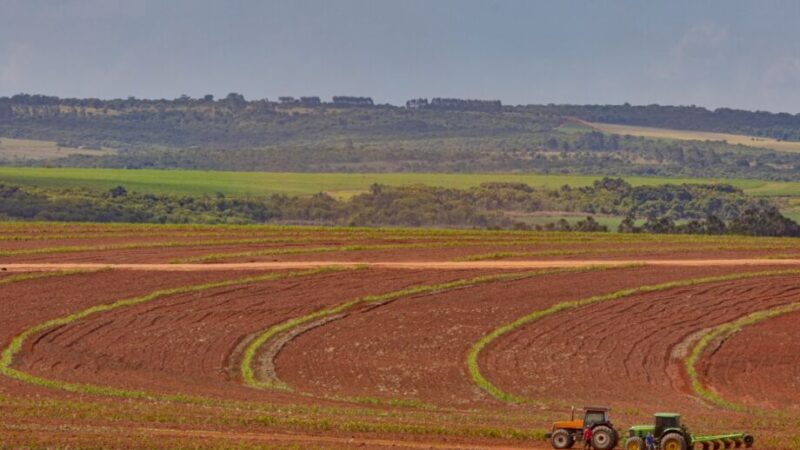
point(670, 434)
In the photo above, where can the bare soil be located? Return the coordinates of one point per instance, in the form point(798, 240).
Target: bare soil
point(758, 366)
point(189, 343)
point(416, 347)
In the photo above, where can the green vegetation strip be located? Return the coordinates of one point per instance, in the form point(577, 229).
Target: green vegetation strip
point(472, 358)
point(7, 357)
point(297, 251)
point(142, 245)
point(625, 250)
point(38, 275)
point(724, 331)
point(248, 373)
point(242, 184)
point(263, 416)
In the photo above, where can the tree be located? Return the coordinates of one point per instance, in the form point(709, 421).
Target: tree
point(118, 191)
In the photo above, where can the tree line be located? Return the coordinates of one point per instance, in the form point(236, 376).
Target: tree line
point(687, 208)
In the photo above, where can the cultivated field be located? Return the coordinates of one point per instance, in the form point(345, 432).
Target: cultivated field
point(193, 182)
point(688, 135)
point(216, 337)
point(34, 149)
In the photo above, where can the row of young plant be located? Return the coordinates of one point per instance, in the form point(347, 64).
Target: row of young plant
point(722, 332)
point(249, 374)
point(320, 417)
point(9, 353)
point(473, 358)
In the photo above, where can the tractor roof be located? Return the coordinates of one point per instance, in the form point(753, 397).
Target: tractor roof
point(596, 408)
point(667, 415)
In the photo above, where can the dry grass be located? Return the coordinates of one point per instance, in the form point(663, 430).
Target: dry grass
point(686, 135)
point(33, 149)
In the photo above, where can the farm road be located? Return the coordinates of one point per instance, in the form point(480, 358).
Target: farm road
point(433, 265)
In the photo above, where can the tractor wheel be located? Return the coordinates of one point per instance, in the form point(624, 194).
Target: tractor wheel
point(748, 440)
point(634, 443)
point(673, 441)
point(562, 439)
point(603, 438)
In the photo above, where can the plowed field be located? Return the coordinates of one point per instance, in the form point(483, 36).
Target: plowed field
point(168, 337)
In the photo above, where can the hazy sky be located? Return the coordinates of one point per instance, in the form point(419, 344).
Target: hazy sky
point(711, 53)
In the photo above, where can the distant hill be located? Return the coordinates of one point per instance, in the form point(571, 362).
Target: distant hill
point(353, 134)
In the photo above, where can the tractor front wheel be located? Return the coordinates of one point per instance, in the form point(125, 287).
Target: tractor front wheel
point(562, 439)
point(604, 438)
point(673, 441)
point(634, 443)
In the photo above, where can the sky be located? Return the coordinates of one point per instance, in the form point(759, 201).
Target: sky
point(713, 53)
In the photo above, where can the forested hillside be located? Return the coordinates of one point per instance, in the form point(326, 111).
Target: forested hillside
point(352, 134)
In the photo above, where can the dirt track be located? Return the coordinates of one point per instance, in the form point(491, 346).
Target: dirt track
point(440, 265)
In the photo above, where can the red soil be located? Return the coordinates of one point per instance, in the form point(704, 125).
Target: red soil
point(24, 304)
point(624, 352)
point(759, 365)
point(188, 343)
point(416, 347)
point(636, 345)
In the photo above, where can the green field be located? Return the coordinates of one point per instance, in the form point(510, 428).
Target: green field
point(192, 182)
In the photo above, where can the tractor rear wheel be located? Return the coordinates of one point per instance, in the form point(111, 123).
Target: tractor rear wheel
point(673, 441)
point(634, 443)
point(562, 439)
point(604, 438)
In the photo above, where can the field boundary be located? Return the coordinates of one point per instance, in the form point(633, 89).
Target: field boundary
point(411, 265)
point(496, 256)
point(472, 358)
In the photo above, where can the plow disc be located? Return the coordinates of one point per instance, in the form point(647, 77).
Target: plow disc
point(737, 440)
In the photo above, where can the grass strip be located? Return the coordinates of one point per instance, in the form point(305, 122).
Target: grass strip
point(472, 358)
point(39, 275)
point(281, 418)
point(215, 257)
point(625, 250)
point(7, 357)
point(141, 245)
point(250, 352)
point(724, 331)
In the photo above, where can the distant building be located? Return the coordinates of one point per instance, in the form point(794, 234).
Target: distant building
point(466, 105)
point(417, 103)
point(310, 101)
point(288, 100)
point(342, 100)
point(454, 104)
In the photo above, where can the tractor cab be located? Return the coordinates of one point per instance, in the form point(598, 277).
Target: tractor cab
point(595, 416)
point(666, 422)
